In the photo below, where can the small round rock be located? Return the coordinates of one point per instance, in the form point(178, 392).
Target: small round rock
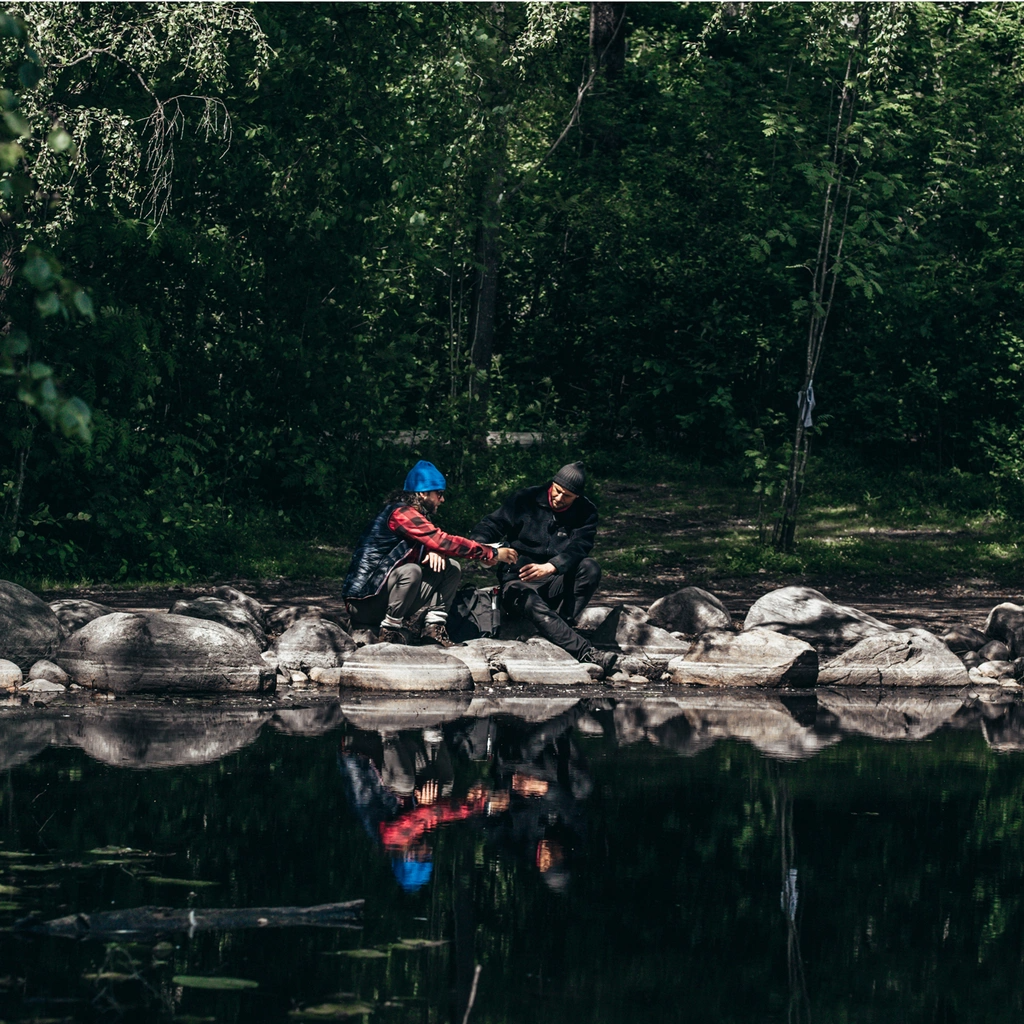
point(49, 671)
point(10, 675)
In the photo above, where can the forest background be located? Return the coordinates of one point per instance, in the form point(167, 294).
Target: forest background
point(258, 258)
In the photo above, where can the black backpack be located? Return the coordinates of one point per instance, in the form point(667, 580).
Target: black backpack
point(474, 614)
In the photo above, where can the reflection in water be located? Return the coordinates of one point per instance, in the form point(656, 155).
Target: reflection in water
point(158, 734)
point(747, 857)
point(799, 1011)
point(527, 781)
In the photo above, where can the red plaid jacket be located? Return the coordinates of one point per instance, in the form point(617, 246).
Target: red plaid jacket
point(416, 528)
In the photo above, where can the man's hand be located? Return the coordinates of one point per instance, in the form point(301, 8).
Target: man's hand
point(507, 555)
point(533, 571)
point(436, 561)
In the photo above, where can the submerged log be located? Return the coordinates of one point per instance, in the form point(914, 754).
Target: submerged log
point(156, 921)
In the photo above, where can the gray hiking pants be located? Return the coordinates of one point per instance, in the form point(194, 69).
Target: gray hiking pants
point(409, 589)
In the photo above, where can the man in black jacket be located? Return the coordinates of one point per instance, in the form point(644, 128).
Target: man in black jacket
point(552, 529)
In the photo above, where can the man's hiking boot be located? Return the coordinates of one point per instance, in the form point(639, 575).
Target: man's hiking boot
point(436, 633)
point(391, 635)
point(605, 660)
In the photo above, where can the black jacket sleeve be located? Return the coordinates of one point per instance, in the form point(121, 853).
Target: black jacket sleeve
point(581, 542)
point(498, 525)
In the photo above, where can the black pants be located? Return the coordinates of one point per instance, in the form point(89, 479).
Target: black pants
point(549, 603)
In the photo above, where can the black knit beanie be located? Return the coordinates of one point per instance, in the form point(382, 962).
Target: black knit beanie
point(572, 477)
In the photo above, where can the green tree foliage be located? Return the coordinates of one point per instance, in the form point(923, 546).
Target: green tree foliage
point(288, 217)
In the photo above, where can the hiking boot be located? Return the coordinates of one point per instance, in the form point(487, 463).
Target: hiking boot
point(605, 660)
point(436, 633)
point(391, 635)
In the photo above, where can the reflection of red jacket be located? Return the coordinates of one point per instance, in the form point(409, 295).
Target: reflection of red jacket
point(406, 829)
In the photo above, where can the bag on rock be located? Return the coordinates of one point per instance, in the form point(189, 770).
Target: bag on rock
point(475, 613)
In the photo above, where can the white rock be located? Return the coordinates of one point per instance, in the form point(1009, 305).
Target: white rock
point(47, 670)
point(907, 657)
point(41, 686)
point(811, 616)
point(532, 662)
point(400, 667)
point(10, 674)
point(755, 657)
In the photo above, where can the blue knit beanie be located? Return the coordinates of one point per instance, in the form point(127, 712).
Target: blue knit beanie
point(424, 476)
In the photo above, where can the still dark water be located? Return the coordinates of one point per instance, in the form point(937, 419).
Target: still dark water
point(839, 858)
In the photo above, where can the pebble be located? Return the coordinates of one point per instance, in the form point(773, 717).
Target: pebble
point(500, 677)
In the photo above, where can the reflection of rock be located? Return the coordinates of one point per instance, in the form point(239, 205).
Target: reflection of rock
point(908, 657)
point(1005, 732)
point(312, 643)
point(755, 657)
point(233, 615)
point(314, 721)
point(533, 661)
point(392, 714)
point(29, 630)
point(129, 653)
point(888, 715)
point(22, 738)
point(73, 613)
point(627, 627)
point(691, 610)
point(159, 737)
point(397, 667)
point(811, 616)
point(694, 722)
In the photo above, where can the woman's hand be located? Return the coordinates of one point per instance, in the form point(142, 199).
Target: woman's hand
point(535, 571)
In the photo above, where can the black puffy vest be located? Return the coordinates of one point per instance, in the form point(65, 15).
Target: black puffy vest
point(379, 550)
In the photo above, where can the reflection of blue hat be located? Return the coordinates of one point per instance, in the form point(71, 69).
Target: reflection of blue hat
point(424, 476)
point(412, 875)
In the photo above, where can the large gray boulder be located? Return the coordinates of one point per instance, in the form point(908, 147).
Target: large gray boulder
point(162, 653)
point(281, 619)
point(627, 628)
point(906, 657)
point(531, 662)
point(402, 668)
point(755, 657)
point(1006, 623)
point(250, 604)
point(29, 630)
point(73, 613)
point(691, 611)
point(312, 643)
point(231, 614)
point(809, 615)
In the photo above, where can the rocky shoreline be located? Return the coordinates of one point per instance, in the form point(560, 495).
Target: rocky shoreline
point(791, 638)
